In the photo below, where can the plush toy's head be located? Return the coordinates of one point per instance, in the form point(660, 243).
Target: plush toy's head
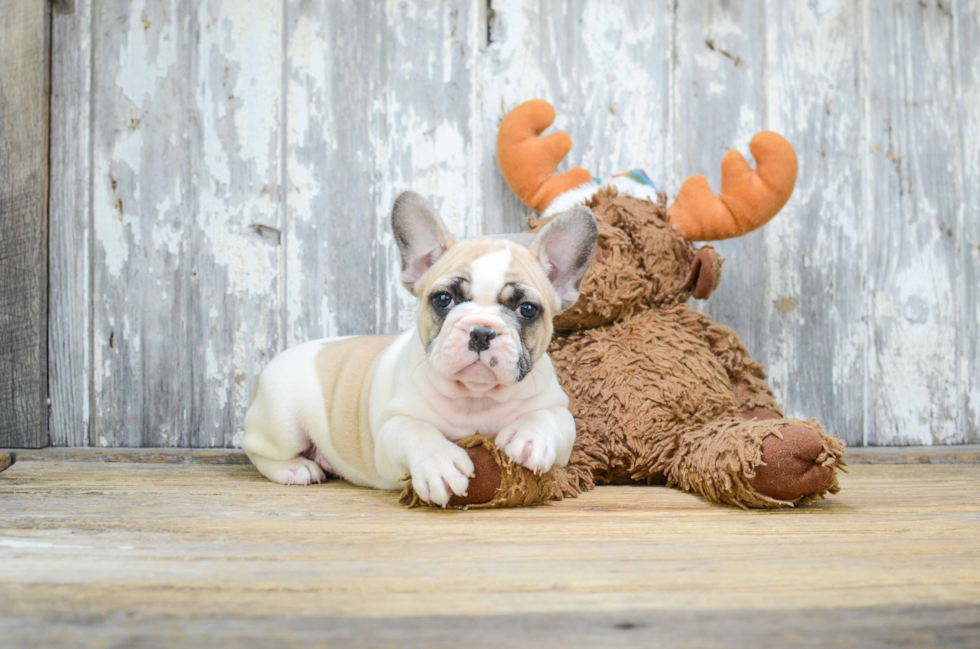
point(641, 261)
point(645, 257)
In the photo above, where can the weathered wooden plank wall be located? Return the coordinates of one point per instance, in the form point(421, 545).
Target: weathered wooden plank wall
point(222, 172)
point(24, 103)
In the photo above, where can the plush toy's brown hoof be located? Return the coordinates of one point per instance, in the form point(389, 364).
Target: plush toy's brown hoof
point(790, 469)
point(484, 485)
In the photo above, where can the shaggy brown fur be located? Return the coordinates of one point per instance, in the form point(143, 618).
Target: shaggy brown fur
point(661, 393)
point(501, 483)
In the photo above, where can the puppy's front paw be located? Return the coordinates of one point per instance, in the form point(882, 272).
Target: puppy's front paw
point(530, 444)
point(441, 474)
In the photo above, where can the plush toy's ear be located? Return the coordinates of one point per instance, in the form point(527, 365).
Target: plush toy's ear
point(705, 273)
point(566, 248)
point(748, 198)
point(420, 234)
point(528, 161)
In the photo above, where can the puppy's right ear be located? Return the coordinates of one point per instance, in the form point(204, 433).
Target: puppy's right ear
point(420, 234)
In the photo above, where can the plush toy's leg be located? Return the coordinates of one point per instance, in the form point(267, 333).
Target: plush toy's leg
point(757, 463)
point(501, 483)
point(748, 377)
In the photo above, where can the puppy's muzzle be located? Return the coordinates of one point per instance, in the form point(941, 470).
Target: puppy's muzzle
point(480, 338)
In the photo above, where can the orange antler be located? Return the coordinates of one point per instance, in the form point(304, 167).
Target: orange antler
point(528, 162)
point(748, 199)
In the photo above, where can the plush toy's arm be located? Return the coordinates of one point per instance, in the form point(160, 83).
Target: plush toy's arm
point(748, 377)
point(498, 482)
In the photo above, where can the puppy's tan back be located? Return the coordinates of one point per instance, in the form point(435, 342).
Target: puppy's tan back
point(345, 368)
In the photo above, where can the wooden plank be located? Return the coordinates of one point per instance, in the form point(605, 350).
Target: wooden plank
point(859, 628)
point(137, 455)
point(813, 327)
point(138, 541)
point(186, 200)
point(955, 454)
point(913, 265)
point(967, 97)
point(380, 99)
point(958, 454)
point(24, 102)
point(609, 83)
point(70, 214)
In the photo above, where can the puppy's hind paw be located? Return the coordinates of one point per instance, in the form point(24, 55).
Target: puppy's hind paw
point(301, 471)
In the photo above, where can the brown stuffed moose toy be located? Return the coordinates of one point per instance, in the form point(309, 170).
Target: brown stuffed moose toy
point(660, 393)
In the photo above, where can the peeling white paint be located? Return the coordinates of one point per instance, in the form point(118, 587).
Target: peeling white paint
point(116, 213)
point(145, 57)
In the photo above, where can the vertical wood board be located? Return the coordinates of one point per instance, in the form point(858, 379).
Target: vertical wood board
point(381, 98)
point(70, 303)
point(912, 165)
point(185, 193)
point(966, 84)
point(24, 105)
point(813, 334)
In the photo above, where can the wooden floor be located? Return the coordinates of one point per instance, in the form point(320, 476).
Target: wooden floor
point(144, 555)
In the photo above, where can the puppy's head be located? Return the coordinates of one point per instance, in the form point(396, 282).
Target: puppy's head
point(486, 303)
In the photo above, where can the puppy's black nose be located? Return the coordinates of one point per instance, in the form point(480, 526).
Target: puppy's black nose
point(480, 338)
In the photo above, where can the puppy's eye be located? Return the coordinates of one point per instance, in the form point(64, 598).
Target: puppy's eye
point(442, 300)
point(527, 310)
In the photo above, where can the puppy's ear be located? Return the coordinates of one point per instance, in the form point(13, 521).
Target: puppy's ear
point(420, 234)
point(566, 249)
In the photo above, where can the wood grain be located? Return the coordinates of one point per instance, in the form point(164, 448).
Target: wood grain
point(70, 231)
point(813, 333)
point(966, 85)
point(955, 454)
point(141, 543)
point(135, 455)
point(913, 266)
point(381, 98)
point(952, 454)
point(186, 197)
point(719, 99)
point(24, 108)
point(606, 67)
point(860, 628)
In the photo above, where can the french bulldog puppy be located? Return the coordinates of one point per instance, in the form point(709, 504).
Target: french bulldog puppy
point(376, 409)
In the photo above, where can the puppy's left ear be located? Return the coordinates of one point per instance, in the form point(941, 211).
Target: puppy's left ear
point(421, 236)
point(566, 249)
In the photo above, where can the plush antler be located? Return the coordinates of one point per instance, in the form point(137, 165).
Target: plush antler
point(748, 199)
point(528, 162)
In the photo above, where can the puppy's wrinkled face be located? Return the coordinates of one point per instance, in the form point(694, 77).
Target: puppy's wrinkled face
point(487, 304)
point(486, 312)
